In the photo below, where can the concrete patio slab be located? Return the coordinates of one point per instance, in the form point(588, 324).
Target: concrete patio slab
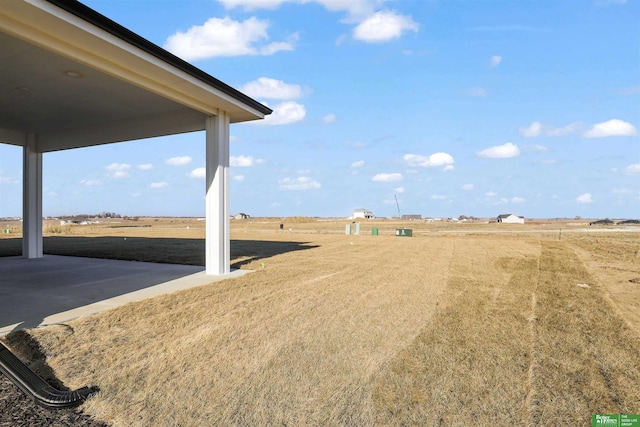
point(55, 289)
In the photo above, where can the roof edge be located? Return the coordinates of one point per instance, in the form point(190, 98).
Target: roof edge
point(95, 18)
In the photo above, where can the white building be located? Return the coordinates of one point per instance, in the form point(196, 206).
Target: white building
point(510, 219)
point(363, 213)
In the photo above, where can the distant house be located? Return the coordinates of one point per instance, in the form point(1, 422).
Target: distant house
point(510, 219)
point(363, 213)
point(412, 217)
point(242, 216)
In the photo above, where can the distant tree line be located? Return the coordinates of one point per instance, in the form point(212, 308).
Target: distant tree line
point(101, 215)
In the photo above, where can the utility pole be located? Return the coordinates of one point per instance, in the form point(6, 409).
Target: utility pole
point(397, 205)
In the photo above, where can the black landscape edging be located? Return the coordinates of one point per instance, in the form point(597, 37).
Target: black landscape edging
point(37, 388)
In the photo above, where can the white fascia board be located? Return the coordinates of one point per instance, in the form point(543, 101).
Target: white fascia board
point(44, 24)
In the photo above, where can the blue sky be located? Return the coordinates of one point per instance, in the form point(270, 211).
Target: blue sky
point(455, 107)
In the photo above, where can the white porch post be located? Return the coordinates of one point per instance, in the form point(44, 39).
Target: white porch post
point(31, 198)
point(217, 253)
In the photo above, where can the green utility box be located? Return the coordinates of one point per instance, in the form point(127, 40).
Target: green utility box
point(374, 231)
point(404, 232)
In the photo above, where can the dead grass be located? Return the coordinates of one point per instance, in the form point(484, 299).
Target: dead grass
point(614, 261)
point(363, 330)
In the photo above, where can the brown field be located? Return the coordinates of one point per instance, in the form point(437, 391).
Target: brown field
point(463, 324)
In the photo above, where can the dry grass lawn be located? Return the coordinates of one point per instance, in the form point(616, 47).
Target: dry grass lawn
point(439, 329)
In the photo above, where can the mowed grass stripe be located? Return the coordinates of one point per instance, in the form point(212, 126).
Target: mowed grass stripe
point(587, 360)
point(534, 349)
point(296, 342)
point(362, 330)
point(469, 366)
point(322, 376)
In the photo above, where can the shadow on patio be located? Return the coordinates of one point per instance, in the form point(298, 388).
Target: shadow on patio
point(80, 271)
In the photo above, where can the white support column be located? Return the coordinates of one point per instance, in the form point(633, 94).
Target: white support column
point(217, 253)
point(31, 198)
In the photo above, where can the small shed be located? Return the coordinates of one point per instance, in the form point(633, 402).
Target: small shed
point(242, 216)
point(510, 219)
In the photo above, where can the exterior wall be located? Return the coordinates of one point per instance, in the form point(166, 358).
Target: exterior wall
point(512, 219)
point(362, 213)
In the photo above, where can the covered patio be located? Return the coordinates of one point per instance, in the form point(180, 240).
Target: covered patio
point(71, 78)
point(56, 289)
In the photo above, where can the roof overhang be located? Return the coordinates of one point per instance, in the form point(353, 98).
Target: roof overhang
point(75, 78)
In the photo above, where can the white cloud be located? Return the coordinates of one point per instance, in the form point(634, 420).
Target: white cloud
point(265, 87)
point(357, 9)
point(244, 161)
point(198, 173)
point(283, 114)
point(91, 182)
point(398, 190)
point(612, 127)
point(539, 147)
point(250, 5)
point(158, 184)
point(534, 129)
point(384, 26)
point(387, 177)
point(276, 47)
point(329, 118)
point(357, 164)
point(496, 60)
point(584, 198)
point(448, 168)
point(178, 161)
point(300, 183)
point(439, 197)
point(468, 187)
point(238, 178)
point(517, 200)
point(565, 130)
point(145, 167)
point(224, 37)
point(632, 169)
point(490, 194)
point(433, 160)
point(477, 91)
point(504, 151)
point(118, 170)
